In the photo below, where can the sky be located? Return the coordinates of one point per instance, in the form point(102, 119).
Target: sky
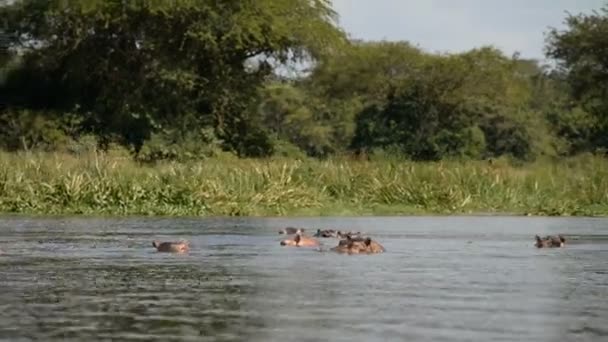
point(461, 25)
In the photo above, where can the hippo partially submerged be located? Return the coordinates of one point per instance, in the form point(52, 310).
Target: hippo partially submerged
point(332, 233)
point(349, 234)
point(358, 245)
point(550, 241)
point(300, 241)
point(326, 233)
point(171, 247)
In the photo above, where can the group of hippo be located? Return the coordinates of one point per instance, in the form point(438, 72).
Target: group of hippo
point(350, 242)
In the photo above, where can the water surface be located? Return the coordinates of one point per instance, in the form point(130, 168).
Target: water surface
point(441, 279)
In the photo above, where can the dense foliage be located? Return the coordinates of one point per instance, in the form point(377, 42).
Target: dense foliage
point(582, 52)
point(189, 79)
point(108, 184)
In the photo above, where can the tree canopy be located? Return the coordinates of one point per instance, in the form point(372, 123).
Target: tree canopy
point(582, 54)
point(134, 66)
point(190, 77)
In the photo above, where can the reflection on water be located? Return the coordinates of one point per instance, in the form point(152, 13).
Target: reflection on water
point(441, 279)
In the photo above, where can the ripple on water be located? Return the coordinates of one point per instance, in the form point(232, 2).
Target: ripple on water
point(441, 279)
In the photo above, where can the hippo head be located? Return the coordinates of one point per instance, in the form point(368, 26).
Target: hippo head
point(539, 241)
point(292, 242)
point(172, 247)
point(549, 241)
point(358, 246)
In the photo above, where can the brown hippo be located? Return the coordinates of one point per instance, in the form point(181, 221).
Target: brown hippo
point(550, 241)
point(291, 230)
point(300, 241)
point(358, 245)
point(171, 247)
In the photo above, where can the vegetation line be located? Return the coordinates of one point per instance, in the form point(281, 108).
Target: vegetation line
point(190, 79)
point(101, 184)
point(186, 107)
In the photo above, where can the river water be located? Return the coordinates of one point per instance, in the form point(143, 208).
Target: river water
point(441, 279)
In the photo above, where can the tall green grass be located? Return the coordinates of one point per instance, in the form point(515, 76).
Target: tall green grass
point(101, 185)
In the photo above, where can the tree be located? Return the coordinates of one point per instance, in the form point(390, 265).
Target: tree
point(135, 67)
point(582, 55)
point(472, 104)
point(366, 70)
point(350, 79)
point(422, 117)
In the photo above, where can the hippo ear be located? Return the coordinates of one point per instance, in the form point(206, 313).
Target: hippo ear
point(368, 241)
point(154, 244)
point(537, 238)
point(561, 238)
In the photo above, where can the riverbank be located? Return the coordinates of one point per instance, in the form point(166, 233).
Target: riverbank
point(96, 184)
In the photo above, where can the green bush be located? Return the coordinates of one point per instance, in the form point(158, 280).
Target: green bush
point(180, 146)
point(99, 183)
point(30, 130)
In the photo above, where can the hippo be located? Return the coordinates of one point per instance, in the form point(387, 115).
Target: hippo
point(550, 241)
point(291, 230)
point(171, 247)
point(326, 233)
point(358, 245)
point(351, 234)
point(300, 241)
